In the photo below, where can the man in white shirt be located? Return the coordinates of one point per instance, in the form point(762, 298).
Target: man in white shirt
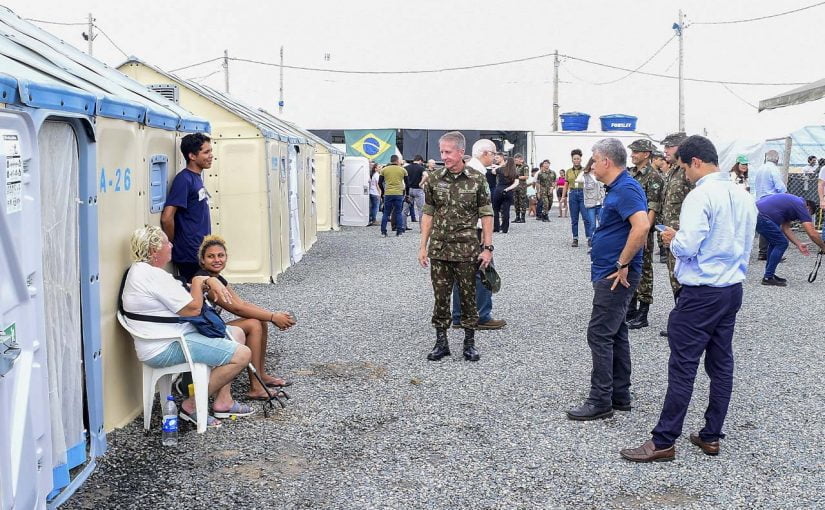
point(767, 180)
point(483, 152)
point(712, 248)
point(821, 187)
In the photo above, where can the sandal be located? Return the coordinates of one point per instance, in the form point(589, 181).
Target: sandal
point(211, 421)
point(237, 410)
point(283, 383)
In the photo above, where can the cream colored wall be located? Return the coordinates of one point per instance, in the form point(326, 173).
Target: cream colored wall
point(123, 145)
point(323, 188)
point(280, 200)
point(239, 207)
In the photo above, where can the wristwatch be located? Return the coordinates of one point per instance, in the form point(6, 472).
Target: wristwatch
point(488, 247)
point(620, 266)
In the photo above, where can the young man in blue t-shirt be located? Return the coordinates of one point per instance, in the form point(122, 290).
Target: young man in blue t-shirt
point(616, 266)
point(185, 216)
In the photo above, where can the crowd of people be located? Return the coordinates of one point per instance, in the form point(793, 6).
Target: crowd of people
point(705, 219)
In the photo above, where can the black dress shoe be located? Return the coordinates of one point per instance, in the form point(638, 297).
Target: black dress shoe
point(587, 412)
point(762, 257)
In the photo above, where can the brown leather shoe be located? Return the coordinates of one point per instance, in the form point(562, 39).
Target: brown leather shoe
point(709, 447)
point(492, 324)
point(648, 453)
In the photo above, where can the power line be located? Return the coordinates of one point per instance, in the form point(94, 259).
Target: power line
point(638, 67)
point(54, 22)
point(416, 71)
point(748, 20)
point(205, 76)
point(737, 96)
point(698, 80)
point(489, 64)
point(110, 40)
point(195, 65)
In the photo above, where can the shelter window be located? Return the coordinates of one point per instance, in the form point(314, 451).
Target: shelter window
point(158, 175)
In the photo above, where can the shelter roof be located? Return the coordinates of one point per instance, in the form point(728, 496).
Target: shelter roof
point(799, 95)
point(807, 141)
point(269, 125)
point(42, 71)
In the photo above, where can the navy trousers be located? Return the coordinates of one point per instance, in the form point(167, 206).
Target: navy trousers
point(609, 344)
point(702, 322)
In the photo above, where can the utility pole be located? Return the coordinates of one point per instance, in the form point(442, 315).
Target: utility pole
point(281, 90)
point(226, 70)
point(680, 31)
point(90, 36)
point(556, 91)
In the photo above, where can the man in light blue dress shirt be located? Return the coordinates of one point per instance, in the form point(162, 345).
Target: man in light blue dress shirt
point(712, 248)
point(767, 180)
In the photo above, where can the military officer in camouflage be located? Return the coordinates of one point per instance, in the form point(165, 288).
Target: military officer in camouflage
point(676, 188)
point(657, 159)
point(652, 183)
point(456, 197)
point(521, 191)
point(547, 182)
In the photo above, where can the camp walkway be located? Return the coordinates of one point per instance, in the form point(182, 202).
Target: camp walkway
point(372, 424)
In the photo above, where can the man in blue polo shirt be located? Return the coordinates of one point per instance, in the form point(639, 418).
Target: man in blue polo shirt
point(185, 216)
point(776, 212)
point(616, 266)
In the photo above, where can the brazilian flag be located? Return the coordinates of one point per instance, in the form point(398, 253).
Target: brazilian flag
point(376, 144)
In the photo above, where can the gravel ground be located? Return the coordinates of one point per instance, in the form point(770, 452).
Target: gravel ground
point(372, 424)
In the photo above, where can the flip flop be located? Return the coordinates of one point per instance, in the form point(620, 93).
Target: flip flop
point(238, 410)
point(211, 421)
point(284, 384)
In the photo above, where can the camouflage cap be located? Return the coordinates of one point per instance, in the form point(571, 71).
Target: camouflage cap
point(657, 154)
point(674, 139)
point(642, 145)
point(490, 279)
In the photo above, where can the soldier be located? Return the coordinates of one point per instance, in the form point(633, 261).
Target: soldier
point(675, 190)
point(456, 197)
point(657, 159)
point(521, 190)
point(652, 183)
point(547, 182)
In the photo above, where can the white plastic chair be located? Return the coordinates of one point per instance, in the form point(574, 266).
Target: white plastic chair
point(163, 377)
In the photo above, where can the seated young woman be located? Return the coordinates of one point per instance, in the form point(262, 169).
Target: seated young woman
point(150, 290)
point(252, 318)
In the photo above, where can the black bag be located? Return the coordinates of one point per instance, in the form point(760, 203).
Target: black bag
point(208, 323)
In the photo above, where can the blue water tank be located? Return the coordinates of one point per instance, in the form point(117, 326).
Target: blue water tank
point(618, 122)
point(574, 121)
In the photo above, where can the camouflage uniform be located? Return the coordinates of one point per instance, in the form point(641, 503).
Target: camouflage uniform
point(521, 191)
point(676, 188)
point(652, 183)
point(546, 181)
point(455, 202)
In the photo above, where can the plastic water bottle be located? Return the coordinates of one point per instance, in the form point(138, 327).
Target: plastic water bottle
point(170, 422)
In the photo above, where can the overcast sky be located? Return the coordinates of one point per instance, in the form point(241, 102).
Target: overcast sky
point(433, 34)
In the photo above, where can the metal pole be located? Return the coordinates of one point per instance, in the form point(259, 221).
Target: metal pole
point(281, 90)
point(681, 71)
point(91, 32)
point(226, 70)
point(556, 91)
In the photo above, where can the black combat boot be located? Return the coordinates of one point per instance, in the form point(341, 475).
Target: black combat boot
point(470, 352)
point(544, 217)
point(442, 346)
point(632, 310)
point(640, 319)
